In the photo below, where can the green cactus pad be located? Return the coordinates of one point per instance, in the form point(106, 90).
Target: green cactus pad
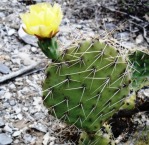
point(140, 75)
point(87, 85)
point(102, 137)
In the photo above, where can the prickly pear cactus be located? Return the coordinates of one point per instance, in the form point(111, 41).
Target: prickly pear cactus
point(140, 65)
point(102, 137)
point(87, 85)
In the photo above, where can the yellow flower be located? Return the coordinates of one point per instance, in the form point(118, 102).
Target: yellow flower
point(43, 20)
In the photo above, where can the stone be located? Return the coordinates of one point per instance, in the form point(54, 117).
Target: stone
point(2, 92)
point(19, 116)
point(2, 15)
point(7, 95)
point(146, 92)
point(16, 133)
point(139, 39)
point(26, 58)
point(4, 139)
point(12, 86)
point(11, 32)
point(17, 109)
point(16, 61)
point(4, 69)
point(7, 128)
point(39, 127)
point(110, 27)
point(122, 36)
point(2, 124)
point(27, 138)
point(46, 138)
point(12, 102)
point(6, 105)
point(34, 49)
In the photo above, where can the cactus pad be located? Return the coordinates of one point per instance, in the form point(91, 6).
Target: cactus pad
point(87, 85)
point(102, 137)
point(140, 75)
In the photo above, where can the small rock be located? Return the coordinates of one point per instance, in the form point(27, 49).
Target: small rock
point(19, 116)
point(4, 139)
point(16, 133)
point(2, 124)
point(39, 127)
point(7, 128)
point(34, 49)
point(146, 92)
point(139, 39)
point(11, 32)
point(6, 105)
point(7, 95)
point(25, 108)
point(17, 109)
point(2, 15)
point(2, 92)
point(27, 138)
point(12, 86)
point(25, 91)
point(39, 116)
point(26, 58)
point(110, 26)
point(16, 61)
point(46, 138)
point(19, 83)
point(127, 44)
point(4, 69)
point(12, 102)
point(122, 36)
point(25, 48)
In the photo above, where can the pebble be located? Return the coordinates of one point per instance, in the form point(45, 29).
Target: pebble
point(139, 39)
point(110, 27)
point(2, 124)
point(2, 92)
point(39, 115)
point(7, 128)
point(12, 102)
point(27, 138)
point(4, 69)
point(2, 15)
point(7, 95)
point(34, 49)
point(19, 116)
point(39, 127)
point(16, 61)
point(16, 133)
point(6, 105)
point(4, 139)
point(11, 32)
point(46, 138)
point(146, 93)
point(122, 36)
point(26, 58)
point(17, 109)
point(12, 86)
